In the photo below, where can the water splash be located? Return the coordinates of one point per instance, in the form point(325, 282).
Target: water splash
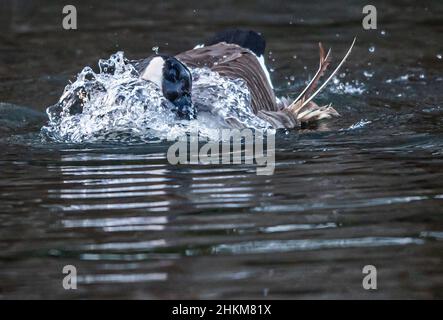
point(354, 87)
point(360, 124)
point(116, 104)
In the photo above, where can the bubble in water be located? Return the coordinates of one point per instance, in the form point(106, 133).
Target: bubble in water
point(383, 32)
point(155, 49)
point(371, 49)
point(292, 78)
point(294, 56)
point(439, 56)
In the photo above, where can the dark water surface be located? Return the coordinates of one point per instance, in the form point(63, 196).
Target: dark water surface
point(368, 189)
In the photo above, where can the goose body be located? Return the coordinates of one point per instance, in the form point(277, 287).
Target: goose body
point(237, 54)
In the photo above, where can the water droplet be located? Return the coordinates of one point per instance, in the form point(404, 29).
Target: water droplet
point(292, 78)
point(368, 74)
point(439, 56)
point(371, 49)
point(404, 78)
point(155, 49)
point(295, 56)
point(342, 75)
point(383, 32)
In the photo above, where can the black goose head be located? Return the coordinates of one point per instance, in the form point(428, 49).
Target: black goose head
point(175, 80)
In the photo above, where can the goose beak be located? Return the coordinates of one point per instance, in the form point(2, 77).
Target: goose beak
point(184, 107)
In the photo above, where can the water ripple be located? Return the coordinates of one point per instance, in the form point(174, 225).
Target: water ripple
point(275, 246)
point(122, 278)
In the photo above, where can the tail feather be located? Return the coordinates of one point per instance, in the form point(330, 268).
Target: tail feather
point(316, 113)
point(332, 74)
point(323, 65)
point(303, 106)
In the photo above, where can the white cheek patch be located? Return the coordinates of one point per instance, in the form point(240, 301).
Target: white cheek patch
point(154, 71)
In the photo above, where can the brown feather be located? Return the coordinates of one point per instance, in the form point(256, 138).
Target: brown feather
point(233, 61)
point(305, 94)
point(325, 60)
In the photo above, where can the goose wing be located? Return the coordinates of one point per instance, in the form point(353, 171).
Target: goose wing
point(233, 61)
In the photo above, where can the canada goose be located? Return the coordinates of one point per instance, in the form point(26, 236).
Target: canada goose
point(238, 54)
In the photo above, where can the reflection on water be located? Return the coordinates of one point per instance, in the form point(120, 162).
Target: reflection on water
point(365, 190)
point(129, 220)
point(292, 245)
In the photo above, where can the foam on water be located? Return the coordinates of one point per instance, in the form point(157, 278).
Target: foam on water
point(115, 104)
